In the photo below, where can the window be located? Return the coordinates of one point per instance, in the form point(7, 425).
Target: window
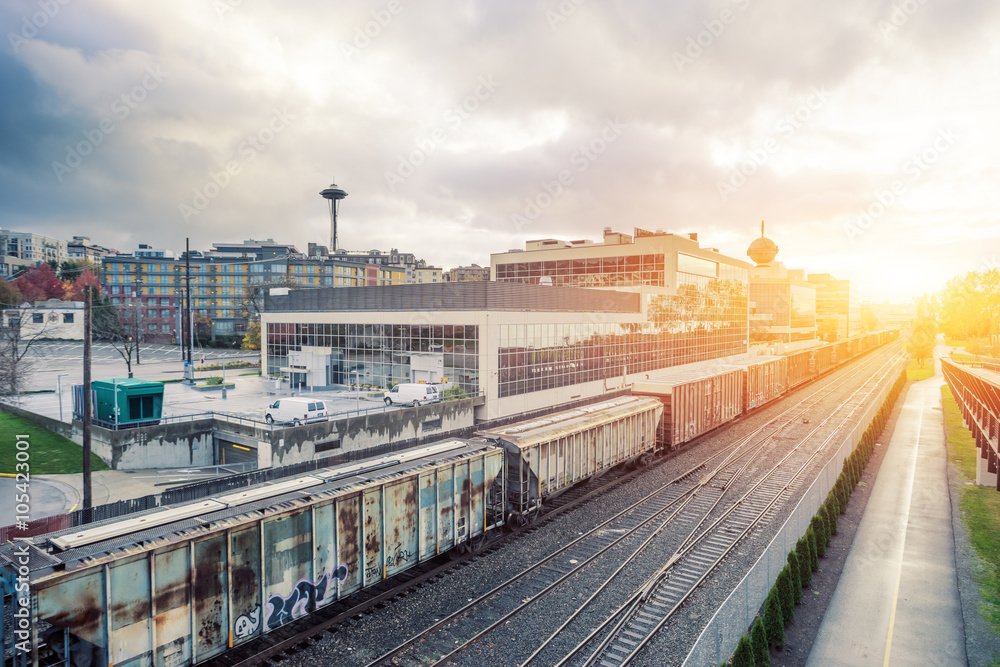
point(37, 318)
point(164, 312)
point(164, 302)
point(165, 328)
point(151, 327)
point(67, 318)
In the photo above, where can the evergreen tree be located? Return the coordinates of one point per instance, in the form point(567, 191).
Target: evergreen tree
point(793, 567)
point(813, 552)
point(758, 641)
point(743, 657)
point(802, 552)
point(787, 597)
point(774, 624)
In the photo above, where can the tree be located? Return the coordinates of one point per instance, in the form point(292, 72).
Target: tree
point(774, 624)
point(758, 640)
point(921, 344)
point(251, 341)
point(743, 657)
point(39, 283)
point(83, 280)
point(15, 341)
point(121, 326)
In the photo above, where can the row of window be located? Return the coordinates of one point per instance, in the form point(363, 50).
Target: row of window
point(39, 318)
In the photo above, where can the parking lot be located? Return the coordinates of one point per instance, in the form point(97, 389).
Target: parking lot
point(248, 398)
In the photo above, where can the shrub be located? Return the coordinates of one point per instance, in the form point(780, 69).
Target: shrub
point(787, 597)
point(831, 518)
point(213, 380)
point(743, 657)
point(774, 624)
point(813, 551)
point(818, 525)
point(793, 568)
point(758, 642)
point(802, 551)
point(453, 393)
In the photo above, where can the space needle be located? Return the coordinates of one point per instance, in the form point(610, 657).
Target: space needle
point(334, 195)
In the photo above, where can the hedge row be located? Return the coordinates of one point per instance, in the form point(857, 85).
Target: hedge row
point(803, 560)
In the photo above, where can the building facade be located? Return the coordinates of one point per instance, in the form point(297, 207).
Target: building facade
point(31, 247)
point(522, 342)
point(81, 248)
point(224, 287)
point(52, 319)
point(462, 274)
point(838, 307)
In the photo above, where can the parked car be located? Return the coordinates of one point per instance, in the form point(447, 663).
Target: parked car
point(296, 411)
point(411, 394)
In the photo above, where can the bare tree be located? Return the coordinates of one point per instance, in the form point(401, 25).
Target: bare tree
point(121, 325)
point(18, 332)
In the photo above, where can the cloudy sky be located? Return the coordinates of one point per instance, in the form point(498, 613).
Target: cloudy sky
point(864, 132)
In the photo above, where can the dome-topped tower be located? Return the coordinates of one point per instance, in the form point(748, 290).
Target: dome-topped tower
point(762, 250)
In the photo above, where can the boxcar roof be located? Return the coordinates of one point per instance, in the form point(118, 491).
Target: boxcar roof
point(152, 529)
point(529, 433)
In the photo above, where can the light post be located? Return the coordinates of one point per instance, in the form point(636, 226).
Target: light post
point(357, 392)
point(223, 377)
point(59, 391)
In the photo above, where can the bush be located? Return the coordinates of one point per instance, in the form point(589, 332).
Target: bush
point(787, 597)
point(758, 642)
point(793, 568)
point(453, 393)
point(831, 518)
point(805, 571)
point(213, 380)
point(813, 551)
point(774, 624)
point(743, 657)
point(818, 525)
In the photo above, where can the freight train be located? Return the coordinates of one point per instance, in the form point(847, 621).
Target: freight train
point(180, 585)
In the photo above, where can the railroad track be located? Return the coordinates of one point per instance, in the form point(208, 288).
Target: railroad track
point(687, 501)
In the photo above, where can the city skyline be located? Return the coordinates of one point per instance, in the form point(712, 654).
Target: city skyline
point(858, 132)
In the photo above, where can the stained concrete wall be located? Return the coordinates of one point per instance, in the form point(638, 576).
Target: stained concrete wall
point(295, 444)
point(163, 446)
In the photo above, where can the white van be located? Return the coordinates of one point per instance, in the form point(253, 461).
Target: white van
point(295, 411)
point(411, 394)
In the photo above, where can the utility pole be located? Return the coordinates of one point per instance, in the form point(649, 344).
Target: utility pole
point(138, 310)
point(189, 324)
point(87, 408)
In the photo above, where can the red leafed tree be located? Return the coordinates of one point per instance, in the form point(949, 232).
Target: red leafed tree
point(40, 283)
point(77, 290)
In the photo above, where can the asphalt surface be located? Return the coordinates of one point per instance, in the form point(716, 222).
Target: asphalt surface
point(898, 602)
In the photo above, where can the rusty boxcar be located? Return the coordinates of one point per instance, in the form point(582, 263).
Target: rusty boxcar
point(180, 585)
point(546, 456)
point(695, 401)
point(764, 381)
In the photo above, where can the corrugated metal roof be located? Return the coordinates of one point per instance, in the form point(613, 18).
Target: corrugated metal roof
point(481, 295)
point(529, 433)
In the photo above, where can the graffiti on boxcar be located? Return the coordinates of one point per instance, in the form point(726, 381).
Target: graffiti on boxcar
point(399, 556)
point(340, 574)
point(247, 624)
point(301, 601)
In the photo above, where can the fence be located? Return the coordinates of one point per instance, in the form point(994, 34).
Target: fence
point(719, 638)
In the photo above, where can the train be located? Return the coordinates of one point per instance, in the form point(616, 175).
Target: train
point(182, 584)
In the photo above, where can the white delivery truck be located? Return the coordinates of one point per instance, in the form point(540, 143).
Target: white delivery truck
point(295, 411)
point(411, 394)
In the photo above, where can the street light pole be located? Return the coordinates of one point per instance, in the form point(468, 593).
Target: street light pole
point(59, 391)
point(357, 391)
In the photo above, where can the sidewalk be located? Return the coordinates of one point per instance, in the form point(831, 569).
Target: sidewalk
point(897, 602)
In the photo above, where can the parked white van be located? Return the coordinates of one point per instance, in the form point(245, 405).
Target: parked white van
point(411, 394)
point(295, 411)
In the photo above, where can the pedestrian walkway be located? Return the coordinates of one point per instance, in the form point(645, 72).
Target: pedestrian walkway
point(897, 602)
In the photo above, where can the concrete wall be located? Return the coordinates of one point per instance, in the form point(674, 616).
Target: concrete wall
point(295, 444)
point(164, 446)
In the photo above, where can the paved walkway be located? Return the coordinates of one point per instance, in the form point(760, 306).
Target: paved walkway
point(897, 602)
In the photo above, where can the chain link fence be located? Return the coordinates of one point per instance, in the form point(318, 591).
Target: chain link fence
point(736, 615)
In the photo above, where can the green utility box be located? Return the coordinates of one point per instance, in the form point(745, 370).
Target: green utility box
point(126, 402)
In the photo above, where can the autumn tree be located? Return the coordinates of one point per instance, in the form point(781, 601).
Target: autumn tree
point(83, 280)
point(15, 368)
point(39, 283)
point(251, 341)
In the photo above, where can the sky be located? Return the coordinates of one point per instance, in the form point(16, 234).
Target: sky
point(863, 132)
